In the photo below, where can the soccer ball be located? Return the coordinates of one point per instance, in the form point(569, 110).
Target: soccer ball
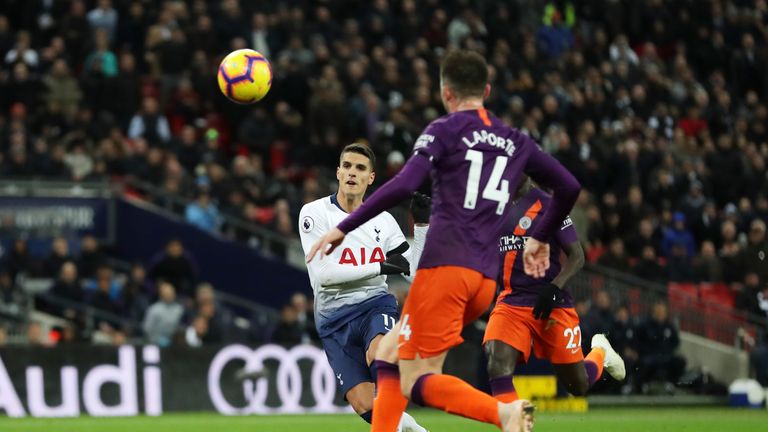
point(245, 76)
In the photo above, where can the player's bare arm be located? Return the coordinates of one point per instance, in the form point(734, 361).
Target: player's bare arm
point(551, 293)
point(574, 262)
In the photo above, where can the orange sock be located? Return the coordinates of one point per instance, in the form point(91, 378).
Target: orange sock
point(503, 389)
point(389, 404)
point(454, 396)
point(594, 365)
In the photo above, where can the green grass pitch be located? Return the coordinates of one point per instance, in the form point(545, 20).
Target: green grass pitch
point(597, 420)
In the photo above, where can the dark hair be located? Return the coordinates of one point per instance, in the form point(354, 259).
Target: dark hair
point(362, 149)
point(465, 72)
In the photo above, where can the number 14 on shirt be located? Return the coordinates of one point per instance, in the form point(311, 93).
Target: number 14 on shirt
point(495, 190)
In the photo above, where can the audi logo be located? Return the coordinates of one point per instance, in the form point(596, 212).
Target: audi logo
point(289, 382)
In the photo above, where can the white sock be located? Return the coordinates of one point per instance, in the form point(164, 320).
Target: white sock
point(409, 423)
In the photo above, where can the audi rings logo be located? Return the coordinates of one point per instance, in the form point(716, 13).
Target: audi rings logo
point(288, 378)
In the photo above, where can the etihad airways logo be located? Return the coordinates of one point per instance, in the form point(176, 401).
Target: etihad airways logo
point(512, 243)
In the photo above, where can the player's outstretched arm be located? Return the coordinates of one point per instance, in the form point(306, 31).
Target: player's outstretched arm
point(388, 195)
point(313, 228)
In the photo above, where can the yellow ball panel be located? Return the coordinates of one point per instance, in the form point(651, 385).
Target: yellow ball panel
point(240, 84)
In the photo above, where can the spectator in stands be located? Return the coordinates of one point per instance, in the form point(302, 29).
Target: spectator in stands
point(678, 236)
point(202, 213)
point(748, 295)
point(759, 361)
point(23, 90)
point(615, 258)
point(102, 299)
point(10, 293)
point(6, 36)
point(555, 38)
point(18, 261)
point(105, 274)
point(657, 343)
point(634, 211)
point(622, 336)
point(102, 60)
point(648, 266)
point(305, 318)
point(707, 266)
point(104, 17)
point(150, 124)
point(218, 318)
point(755, 254)
point(67, 286)
point(64, 92)
point(288, 332)
point(176, 266)
point(730, 252)
point(3, 336)
point(196, 333)
point(134, 300)
point(35, 334)
point(90, 258)
point(599, 317)
point(679, 264)
point(22, 52)
point(163, 317)
point(58, 256)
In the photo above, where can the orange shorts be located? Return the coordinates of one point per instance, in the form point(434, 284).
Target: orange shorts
point(557, 339)
point(441, 302)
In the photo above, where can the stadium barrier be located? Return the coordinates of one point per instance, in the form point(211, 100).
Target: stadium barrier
point(68, 381)
point(697, 309)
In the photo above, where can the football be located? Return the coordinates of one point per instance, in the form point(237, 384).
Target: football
point(245, 76)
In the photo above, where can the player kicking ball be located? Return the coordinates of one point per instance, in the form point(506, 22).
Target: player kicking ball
point(476, 162)
point(353, 306)
point(539, 313)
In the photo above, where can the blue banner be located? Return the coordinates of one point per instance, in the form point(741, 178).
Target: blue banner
point(43, 215)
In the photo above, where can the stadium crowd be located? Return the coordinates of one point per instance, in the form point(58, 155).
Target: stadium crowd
point(162, 301)
point(659, 107)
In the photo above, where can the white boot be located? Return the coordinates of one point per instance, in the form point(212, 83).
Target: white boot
point(408, 424)
point(614, 364)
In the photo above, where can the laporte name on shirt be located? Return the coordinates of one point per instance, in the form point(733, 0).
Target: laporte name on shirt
point(478, 136)
point(483, 136)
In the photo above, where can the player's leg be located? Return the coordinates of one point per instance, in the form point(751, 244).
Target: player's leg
point(360, 398)
point(432, 321)
point(507, 339)
point(580, 376)
point(381, 323)
point(347, 360)
point(389, 404)
point(502, 359)
point(559, 340)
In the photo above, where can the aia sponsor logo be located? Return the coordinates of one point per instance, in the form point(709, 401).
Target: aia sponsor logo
point(361, 256)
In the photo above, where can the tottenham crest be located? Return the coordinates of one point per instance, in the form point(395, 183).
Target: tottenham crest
point(307, 224)
point(525, 222)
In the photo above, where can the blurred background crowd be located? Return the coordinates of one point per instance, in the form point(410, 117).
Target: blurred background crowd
point(659, 107)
